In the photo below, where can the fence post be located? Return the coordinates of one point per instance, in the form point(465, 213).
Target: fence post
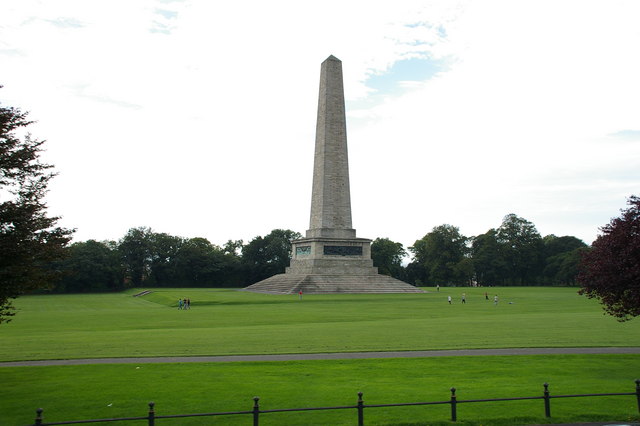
point(638, 393)
point(39, 416)
point(360, 410)
point(454, 402)
point(547, 401)
point(256, 411)
point(152, 414)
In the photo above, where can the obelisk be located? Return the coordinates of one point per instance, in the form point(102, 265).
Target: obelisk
point(330, 259)
point(331, 196)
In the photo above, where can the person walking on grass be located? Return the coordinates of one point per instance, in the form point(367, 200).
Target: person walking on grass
point(495, 300)
point(464, 298)
point(180, 304)
point(449, 299)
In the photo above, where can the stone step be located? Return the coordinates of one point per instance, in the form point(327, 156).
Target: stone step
point(327, 284)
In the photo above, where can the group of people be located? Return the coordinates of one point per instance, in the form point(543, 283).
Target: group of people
point(184, 304)
point(464, 297)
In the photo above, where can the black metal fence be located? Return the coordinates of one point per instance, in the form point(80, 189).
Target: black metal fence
point(359, 407)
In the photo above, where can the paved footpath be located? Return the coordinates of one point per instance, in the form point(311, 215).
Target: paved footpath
point(329, 356)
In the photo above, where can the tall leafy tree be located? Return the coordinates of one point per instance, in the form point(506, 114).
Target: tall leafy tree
point(610, 271)
point(487, 255)
point(522, 245)
point(441, 253)
point(233, 270)
point(387, 255)
point(91, 266)
point(136, 249)
point(198, 263)
point(265, 256)
point(163, 250)
point(561, 259)
point(30, 240)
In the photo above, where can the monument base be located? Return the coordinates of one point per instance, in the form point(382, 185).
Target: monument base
point(331, 265)
point(331, 284)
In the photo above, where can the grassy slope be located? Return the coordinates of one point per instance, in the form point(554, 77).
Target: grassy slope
point(232, 322)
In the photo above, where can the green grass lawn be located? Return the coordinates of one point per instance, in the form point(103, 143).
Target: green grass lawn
point(232, 322)
point(223, 322)
point(99, 391)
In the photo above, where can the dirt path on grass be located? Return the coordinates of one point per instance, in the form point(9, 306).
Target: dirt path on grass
point(330, 356)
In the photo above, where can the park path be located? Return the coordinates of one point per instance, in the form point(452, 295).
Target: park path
point(330, 356)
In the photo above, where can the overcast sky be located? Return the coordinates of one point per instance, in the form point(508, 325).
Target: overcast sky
point(197, 118)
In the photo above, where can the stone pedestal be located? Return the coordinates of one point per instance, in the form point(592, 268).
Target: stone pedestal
point(347, 256)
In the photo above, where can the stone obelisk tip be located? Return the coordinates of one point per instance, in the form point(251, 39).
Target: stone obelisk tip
point(330, 197)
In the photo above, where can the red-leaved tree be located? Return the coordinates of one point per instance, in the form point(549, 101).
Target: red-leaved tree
point(610, 271)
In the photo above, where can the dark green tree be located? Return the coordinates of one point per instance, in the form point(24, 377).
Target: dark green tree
point(199, 263)
point(387, 255)
point(136, 250)
point(266, 256)
point(233, 247)
point(441, 253)
point(522, 249)
point(610, 271)
point(30, 240)
point(488, 260)
point(233, 271)
point(163, 250)
point(561, 259)
point(91, 266)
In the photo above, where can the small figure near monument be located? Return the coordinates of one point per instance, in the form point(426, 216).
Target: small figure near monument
point(495, 300)
point(449, 299)
point(180, 304)
point(438, 287)
point(300, 294)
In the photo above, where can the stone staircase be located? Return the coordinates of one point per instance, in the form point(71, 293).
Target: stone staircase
point(329, 284)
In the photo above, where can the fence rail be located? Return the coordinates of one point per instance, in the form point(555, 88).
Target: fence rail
point(360, 406)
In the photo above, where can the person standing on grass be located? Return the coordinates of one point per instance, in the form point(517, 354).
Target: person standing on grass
point(188, 303)
point(486, 296)
point(464, 298)
point(495, 300)
point(300, 294)
point(438, 287)
point(179, 304)
point(449, 299)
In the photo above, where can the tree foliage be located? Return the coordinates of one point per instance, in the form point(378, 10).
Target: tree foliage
point(610, 270)
point(561, 259)
point(387, 255)
point(441, 255)
point(30, 241)
point(522, 249)
point(269, 255)
point(90, 266)
point(487, 255)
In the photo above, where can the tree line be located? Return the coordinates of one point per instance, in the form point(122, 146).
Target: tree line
point(513, 254)
point(151, 259)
